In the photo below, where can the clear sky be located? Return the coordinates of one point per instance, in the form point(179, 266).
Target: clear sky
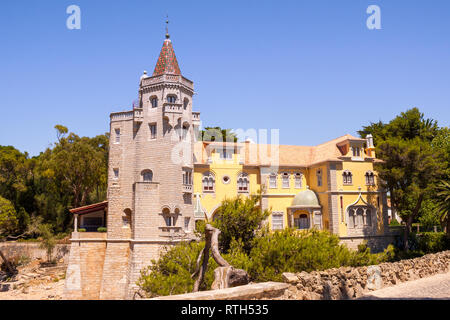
point(309, 68)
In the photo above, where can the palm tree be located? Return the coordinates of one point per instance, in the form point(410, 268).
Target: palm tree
point(443, 202)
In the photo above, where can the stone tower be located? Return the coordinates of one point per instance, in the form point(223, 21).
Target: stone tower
point(150, 175)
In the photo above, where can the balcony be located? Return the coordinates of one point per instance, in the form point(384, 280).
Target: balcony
point(176, 108)
point(187, 188)
point(138, 114)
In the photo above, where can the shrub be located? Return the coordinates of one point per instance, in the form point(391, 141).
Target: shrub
point(171, 274)
point(101, 229)
point(430, 242)
point(81, 230)
point(394, 223)
point(238, 218)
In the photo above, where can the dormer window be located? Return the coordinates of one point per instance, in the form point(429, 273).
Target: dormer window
point(347, 178)
point(226, 154)
point(154, 102)
point(356, 152)
point(171, 99)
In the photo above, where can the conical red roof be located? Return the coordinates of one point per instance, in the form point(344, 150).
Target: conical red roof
point(167, 62)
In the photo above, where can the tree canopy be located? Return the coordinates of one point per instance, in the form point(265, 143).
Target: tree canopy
point(411, 165)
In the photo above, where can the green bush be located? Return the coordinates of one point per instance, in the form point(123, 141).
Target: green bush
point(394, 223)
point(430, 242)
point(101, 229)
point(238, 218)
point(81, 230)
point(171, 274)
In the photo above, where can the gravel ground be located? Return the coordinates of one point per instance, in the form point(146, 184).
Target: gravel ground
point(436, 287)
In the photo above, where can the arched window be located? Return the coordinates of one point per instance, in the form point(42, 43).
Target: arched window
point(347, 177)
point(319, 177)
point(273, 180)
point(185, 103)
point(360, 216)
point(209, 182)
point(370, 178)
point(147, 176)
point(168, 218)
point(243, 182)
point(154, 102)
point(126, 219)
point(187, 177)
point(298, 180)
point(285, 180)
point(171, 98)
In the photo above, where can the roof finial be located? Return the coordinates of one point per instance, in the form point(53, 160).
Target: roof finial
point(167, 28)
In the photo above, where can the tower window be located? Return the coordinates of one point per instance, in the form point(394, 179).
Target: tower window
point(171, 99)
point(185, 104)
point(147, 176)
point(116, 173)
point(154, 102)
point(152, 131)
point(117, 135)
point(187, 177)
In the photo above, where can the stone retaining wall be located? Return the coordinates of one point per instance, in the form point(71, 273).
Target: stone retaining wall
point(333, 284)
point(32, 250)
point(351, 283)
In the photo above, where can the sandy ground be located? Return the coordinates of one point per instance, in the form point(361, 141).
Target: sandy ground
point(34, 282)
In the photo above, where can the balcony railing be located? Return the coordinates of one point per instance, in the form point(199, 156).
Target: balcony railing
point(173, 108)
point(187, 188)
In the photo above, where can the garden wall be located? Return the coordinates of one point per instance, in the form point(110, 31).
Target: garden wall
point(333, 284)
point(32, 250)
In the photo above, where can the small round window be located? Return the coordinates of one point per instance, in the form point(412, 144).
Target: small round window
point(226, 179)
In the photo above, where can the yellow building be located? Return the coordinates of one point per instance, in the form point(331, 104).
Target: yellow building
point(331, 186)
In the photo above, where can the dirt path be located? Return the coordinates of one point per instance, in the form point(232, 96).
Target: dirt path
point(435, 287)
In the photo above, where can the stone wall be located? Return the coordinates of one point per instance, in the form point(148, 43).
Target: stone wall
point(32, 250)
point(351, 283)
point(332, 284)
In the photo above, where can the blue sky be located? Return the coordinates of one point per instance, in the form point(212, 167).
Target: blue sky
point(309, 68)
